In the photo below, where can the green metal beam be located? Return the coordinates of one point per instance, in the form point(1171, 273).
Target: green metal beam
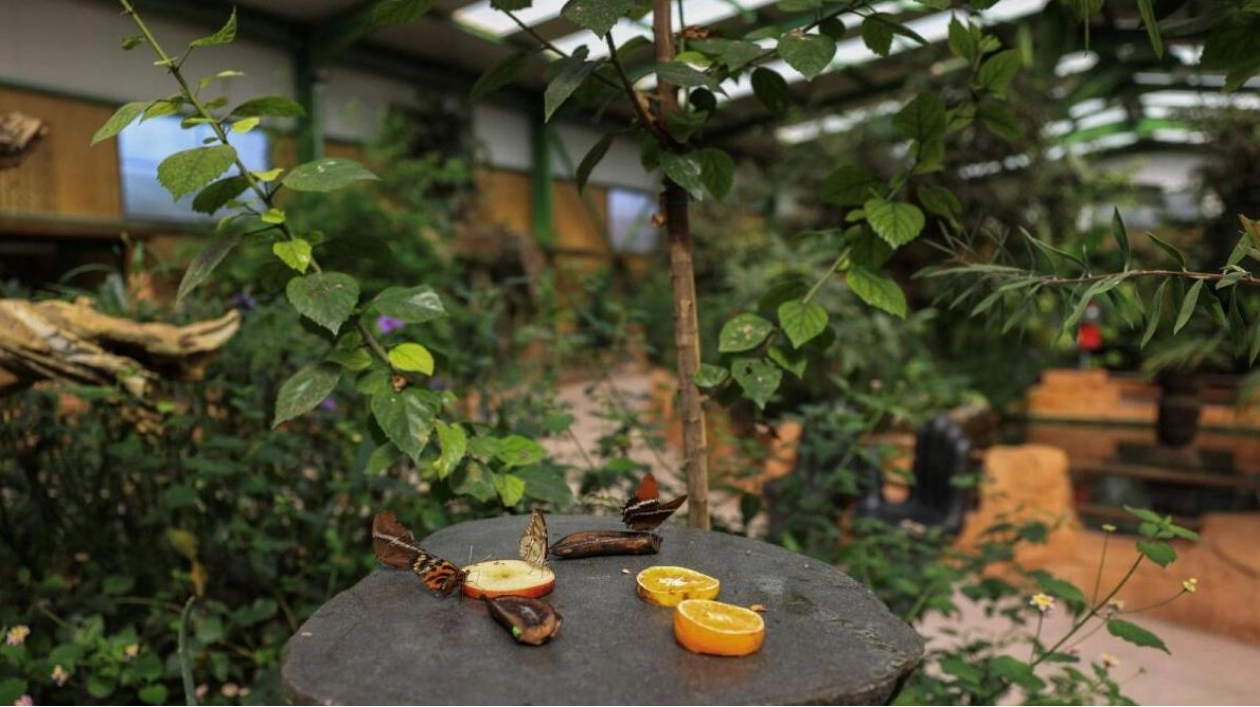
point(310, 93)
point(542, 181)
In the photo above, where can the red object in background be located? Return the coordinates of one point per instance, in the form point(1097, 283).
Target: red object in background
point(1089, 337)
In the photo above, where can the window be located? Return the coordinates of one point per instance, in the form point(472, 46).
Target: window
point(143, 146)
point(630, 220)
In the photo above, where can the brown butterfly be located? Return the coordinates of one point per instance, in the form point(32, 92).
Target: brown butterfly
point(397, 547)
point(645, 511)
point(533, 545)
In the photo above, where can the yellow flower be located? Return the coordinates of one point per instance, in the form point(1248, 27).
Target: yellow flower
point(1191, 584)
point(16, 636)
point(131, 651)
point(1115, 606)
point(1110, 661)
point(1108, 528)
point(1043, 602)
point(59, 675)
point(230, 689)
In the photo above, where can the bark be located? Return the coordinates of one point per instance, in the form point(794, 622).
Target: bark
point(674, 209)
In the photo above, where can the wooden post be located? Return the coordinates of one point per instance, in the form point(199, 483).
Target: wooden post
point(674, 209)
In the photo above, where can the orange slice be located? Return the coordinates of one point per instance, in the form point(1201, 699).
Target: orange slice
point(665, 585)
point(717, 628)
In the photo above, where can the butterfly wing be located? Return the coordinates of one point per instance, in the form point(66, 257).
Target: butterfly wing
point(397, 547)
point(645, 511)
point(533, 545)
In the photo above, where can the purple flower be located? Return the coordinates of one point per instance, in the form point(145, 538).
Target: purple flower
point(387, 324)
point(243, 300)
point(328, 404)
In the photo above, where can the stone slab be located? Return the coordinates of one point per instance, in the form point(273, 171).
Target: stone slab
point(388, 640)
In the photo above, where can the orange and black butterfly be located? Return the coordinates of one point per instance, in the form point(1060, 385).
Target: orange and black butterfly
point(533, 545)
point(397, 547)
point(645, 511)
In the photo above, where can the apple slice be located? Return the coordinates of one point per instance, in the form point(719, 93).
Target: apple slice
point(507, 578)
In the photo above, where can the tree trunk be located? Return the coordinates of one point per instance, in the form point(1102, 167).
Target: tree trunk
point(683, 278)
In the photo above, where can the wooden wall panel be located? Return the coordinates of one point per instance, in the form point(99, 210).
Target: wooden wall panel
point(577, 228)
point(505, 199)
point(65, 176)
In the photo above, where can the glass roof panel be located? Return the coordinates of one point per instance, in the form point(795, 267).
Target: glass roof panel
point(481, 17)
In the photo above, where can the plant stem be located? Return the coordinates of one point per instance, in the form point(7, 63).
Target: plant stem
point(1092, 612)
point(825, 278)
point(1102, 559)
point(185, 660)
point(590, 464)
point(674, 208)
point(267, 197)
point(634, 97)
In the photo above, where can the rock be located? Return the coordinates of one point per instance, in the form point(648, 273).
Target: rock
point(388, 641)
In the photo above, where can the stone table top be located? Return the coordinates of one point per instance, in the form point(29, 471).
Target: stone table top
point(388, 640)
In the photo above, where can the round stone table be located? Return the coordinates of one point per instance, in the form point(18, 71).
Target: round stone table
point(388, 640)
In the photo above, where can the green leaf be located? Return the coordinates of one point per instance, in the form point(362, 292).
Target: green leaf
point(1144, 514)
point(153, 694)
point(877, 290)
point(1135, 634)
point(997, 72)
point(185, 172)
point(798, 5)
point(793, 362)
point(896, 222)
point(304, 390)
point(961, 41)
point(473, 480)
point(939, 200)
point(515, 450)
point(870, 251)
point(1170, 249)
point(956, 666)
point(326, 298)
point(412, 357)
point(225, 35)
point(802, 321)
point(711, 376)
point(877, 35)
point(205, 263)
point(1016, 671)
point(771, 89)
point(399, 12)
point(1147, 12)
point(1121, 235)
point(685, 170)
point(1160, 553)
point(454, 441)
point(512, 5)
point(406, 418)
point(570, 74)
point(1055, 587)
point(809, 54)
point(245, 125)
point(218, 194)
point(848, 185)
point(273, 216)
point(734, 53)
point(295, 253)
point(350, 352)
point(1187, 306)
point(414, 305)
point(758, 379)
point(268, 107)
point(598, 16)
point(717, 171)
point(124, 116)
point(1156, 311)
point(510, 488)
point(100, 686)
point(743, 333)
point(501, 74)
point(117, 584)
point(685, 75)
point(545, 484)
point(592, 158)
point(922, 119)
point(381, 459)
point(327, 174)
point(998, 118)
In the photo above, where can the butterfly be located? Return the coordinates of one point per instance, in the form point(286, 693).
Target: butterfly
point(397, 547)
point(533, 545)
point(645, 511)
